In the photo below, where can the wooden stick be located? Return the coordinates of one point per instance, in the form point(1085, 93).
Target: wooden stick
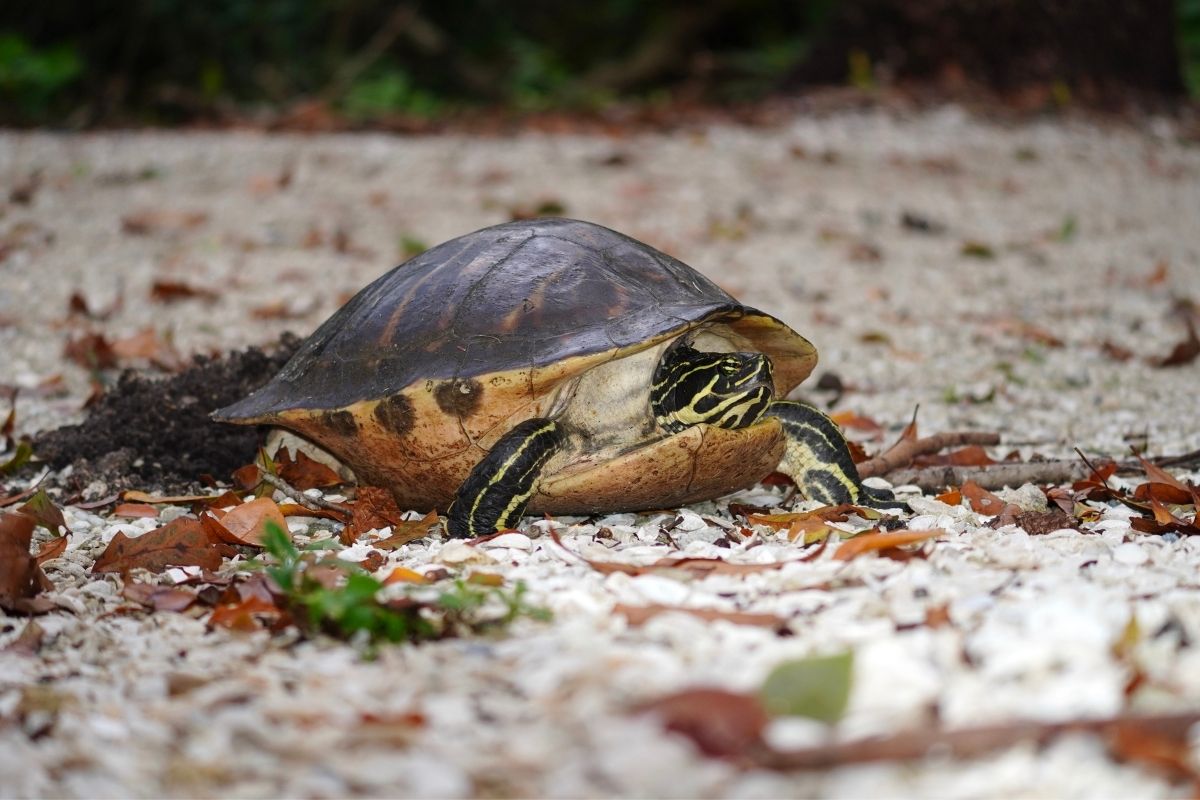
point(902, 453)
point(299, 496)
point(970, 742)
point(993, 476)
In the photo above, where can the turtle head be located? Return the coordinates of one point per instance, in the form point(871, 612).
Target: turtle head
point(728, 390)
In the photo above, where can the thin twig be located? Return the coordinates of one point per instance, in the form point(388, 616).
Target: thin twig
point(993, 476)
point(300, 497)
point(903, 452)
point(972, 742)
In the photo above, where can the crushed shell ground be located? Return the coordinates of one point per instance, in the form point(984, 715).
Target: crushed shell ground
point(1089, 233)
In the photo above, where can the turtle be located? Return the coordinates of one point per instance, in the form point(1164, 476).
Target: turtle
point(556, 366)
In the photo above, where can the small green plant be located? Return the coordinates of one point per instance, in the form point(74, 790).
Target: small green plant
point(339, 598)
point(31, 78)
point(388, 91)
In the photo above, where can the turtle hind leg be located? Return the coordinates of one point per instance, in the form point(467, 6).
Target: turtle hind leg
point(494, 495)
point(818, 459)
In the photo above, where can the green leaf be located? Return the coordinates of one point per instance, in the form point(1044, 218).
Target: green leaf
point(20, 458)
point(817, 687)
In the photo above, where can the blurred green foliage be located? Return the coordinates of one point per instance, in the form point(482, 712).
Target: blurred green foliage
point(30, 78)
point(170, 60)
point(163, 61)
point(1189, 43)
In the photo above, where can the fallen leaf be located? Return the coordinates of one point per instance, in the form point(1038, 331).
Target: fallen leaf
point(817, 687)
point(147, 345)
point(1164, 486)
point(1185, 352)
point(20, 457)
point(373, 508)
point(972, 455)
point(43, 510)
point(1115, 351)
point(28, 641)
point(720, 723)
point(247, 478)
point(693, 567)
point(174, 291)
point(90, 351)
point(21, 578)
point(160, 598)
point(297, 510)
point(812, 526)
point(405, 532)
point(871, 542)
point(404, 575)
point(135, 496)
point(154, 221)
point(282, 310)
point(52, 548)
point(247, 523)
point(1037, 523)
point(183, 542)
point(1166, 749)
point(952, 497)
point(245, 615)
point(640, 615)
point(984, 502)
point(1165, 521)
point(135, 510)
point(304, 472)
point(973, 249)
point(851, 419)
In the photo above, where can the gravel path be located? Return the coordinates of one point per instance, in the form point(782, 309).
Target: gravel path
point(991, 274)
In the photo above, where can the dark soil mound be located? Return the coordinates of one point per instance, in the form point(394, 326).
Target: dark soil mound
point(155, 433)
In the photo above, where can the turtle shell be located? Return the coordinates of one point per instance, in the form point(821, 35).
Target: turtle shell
point(414, 378)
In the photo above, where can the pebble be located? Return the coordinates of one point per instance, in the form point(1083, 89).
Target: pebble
point(1130, 553)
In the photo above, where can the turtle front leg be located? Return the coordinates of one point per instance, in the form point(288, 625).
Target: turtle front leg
point(818, 459)
point(494, 495)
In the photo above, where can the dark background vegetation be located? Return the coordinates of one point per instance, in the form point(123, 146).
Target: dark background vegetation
point(76, 64)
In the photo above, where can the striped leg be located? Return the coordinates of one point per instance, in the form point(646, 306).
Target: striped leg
point(818, 459)
point(494, 495)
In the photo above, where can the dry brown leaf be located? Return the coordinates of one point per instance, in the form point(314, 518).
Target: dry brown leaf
point(28, 641)
point(972, 455)
point(1185, 352)
point(640, 615)
point(52, 548)
point(174, 291)
point(44, 512)
point(90, 351)
point(1037, 523)
point(1165, 521)
point(247, 523)
point(154, 221)
point(404, 575)
point(246, 615)
point(135, 510)
point(984, 502)
point(405, 532)
point(160, 598)
point(720, 723)
point(951, 498)
point(21, 577)
point(373, 508)
point(1164, 487)
point(304, 472)
point(135, 496)
point(1167, 750)
point(183, 542)
point(872, 542)
point(147, 345)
